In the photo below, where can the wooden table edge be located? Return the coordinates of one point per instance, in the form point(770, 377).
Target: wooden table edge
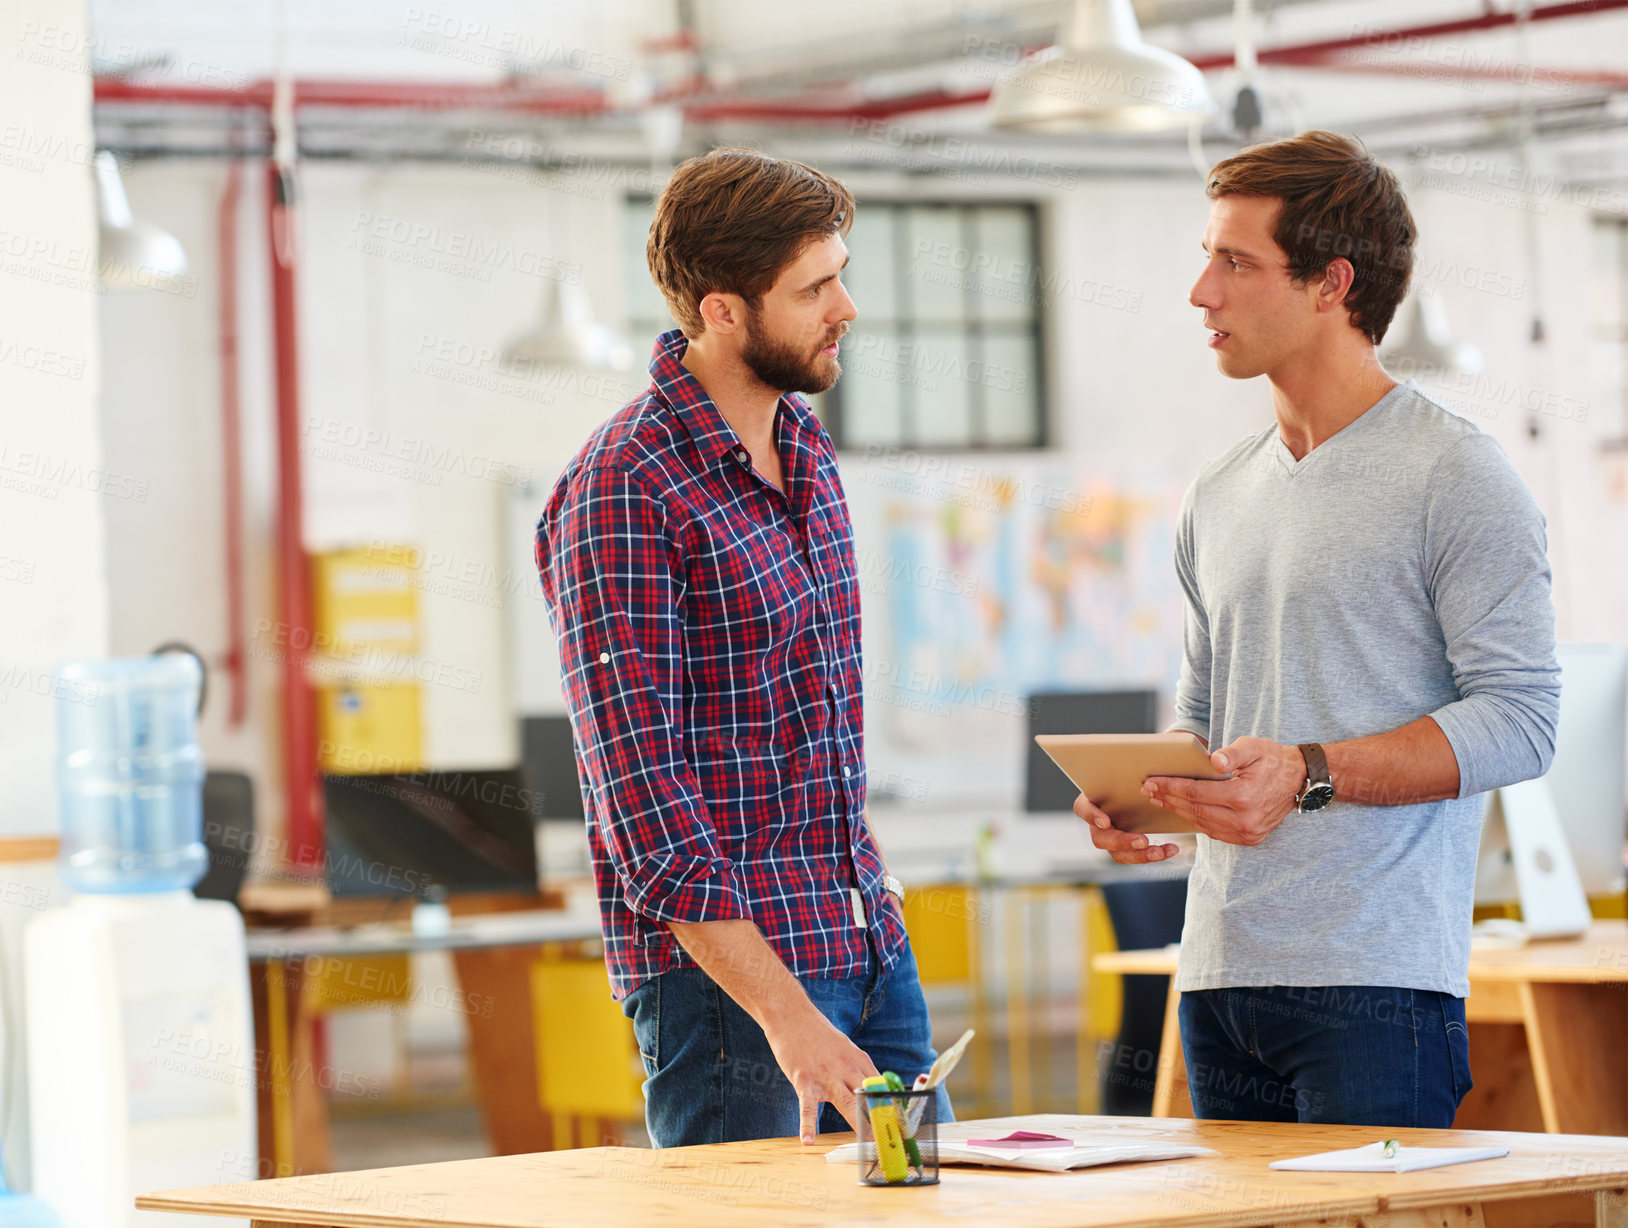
point(1319, 1208)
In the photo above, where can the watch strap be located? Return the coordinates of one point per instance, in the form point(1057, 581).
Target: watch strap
point(1316, 764)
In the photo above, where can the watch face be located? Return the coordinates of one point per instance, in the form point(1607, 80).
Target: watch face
point(1316, 797)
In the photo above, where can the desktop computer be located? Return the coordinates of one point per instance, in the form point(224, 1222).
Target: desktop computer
point(548, 761)
point(1587, 783)
point(1046, 788)
point(419, 833)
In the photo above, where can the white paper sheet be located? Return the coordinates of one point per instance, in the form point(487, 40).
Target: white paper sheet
point(1371, 1159)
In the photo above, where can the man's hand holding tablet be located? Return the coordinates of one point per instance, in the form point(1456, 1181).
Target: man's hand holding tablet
point(1129, 848)
point(1111, 772)
point(1243, 807)
point(1265, 779)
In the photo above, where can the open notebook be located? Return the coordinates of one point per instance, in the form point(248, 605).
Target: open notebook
point(1089, 1149)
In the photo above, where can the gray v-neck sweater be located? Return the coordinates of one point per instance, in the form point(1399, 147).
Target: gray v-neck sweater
point(1398, 570)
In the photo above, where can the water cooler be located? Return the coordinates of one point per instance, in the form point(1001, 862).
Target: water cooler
point(141, 1059)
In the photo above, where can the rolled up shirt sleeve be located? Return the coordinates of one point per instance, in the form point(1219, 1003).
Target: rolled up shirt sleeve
point(613, 578)
point(1487, 567)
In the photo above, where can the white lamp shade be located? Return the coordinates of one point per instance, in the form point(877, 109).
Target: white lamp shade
point(569, 336)
point(1104, 79)
point(131, 254)
point(1428, 348)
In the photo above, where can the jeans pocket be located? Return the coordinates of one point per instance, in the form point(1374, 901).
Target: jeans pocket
point(1458, 1044)
point(643, 1007)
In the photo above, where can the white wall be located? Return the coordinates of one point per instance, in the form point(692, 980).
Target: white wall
point(53, 597)
point(53, 472)
point(162, 419)
point(1134, 388)
point(417, 432)
point(414, 429)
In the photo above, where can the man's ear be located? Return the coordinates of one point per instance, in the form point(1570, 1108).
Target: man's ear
point(723, 313)
point(1338, 278)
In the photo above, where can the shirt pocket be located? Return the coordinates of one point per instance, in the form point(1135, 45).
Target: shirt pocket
point(751, 588)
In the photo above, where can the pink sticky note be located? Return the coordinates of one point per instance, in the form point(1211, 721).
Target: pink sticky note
point(1025, 1139)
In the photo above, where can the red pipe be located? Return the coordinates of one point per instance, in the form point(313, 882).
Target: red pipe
point(1312, 52)
point(330, 93)
point(231, 434)
point(1317, 53)
point(1594, 77)
point(590, 102)
point(305, 811)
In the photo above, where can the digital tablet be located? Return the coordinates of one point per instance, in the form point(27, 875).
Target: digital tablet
point(1109, 769)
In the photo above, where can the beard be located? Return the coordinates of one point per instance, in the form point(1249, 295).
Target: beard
point(786, 367)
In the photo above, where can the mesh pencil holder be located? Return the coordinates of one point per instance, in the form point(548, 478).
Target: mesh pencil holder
point(898, 1137)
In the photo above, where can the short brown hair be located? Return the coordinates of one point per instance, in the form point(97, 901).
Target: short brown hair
point(1337, 201)
point(731, 220)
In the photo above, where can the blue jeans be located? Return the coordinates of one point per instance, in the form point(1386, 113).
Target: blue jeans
point(711, 1076)
point(1360, 1055)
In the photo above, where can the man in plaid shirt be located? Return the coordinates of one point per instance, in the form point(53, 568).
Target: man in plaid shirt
point(698, 563)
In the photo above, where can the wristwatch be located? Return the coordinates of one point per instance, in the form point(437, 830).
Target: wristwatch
point(1319, 788)
point(894, 886)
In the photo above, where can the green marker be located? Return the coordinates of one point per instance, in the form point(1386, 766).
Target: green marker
point(896, 1084)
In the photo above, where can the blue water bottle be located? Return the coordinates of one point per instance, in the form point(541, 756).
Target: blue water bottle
point(130, 775)
point(24, 1210)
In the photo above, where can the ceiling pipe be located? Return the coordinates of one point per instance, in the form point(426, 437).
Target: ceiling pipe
point(305, 835)
point(1593, 78)
point(839, 105)
point(1560, 120)
point(321, 92)
point(231, 439)
point(1313, 51)
point(306, 845)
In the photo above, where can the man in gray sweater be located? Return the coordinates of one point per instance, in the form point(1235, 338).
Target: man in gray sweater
point(1369, 642)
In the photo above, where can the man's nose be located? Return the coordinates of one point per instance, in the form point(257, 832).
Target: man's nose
point(845, 309)
point(1203, 294)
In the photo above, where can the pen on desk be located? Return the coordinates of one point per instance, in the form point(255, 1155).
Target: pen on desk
point(908, 1123)
point(940, 1071)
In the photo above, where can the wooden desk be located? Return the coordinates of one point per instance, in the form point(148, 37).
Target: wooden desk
point(1548, 1027)
point(492, 953)
point(778, 1181)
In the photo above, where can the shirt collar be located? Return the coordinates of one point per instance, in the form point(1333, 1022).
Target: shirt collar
point(676, 384)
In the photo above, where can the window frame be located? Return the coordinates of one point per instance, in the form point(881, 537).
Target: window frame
point(829, 407)
point(1037, 332)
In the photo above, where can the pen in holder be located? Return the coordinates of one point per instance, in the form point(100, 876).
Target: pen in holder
point(898, 1135)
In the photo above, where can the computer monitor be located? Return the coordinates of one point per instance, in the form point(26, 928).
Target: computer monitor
point(402, 834)
point(1588, 780)
point(1046, 789)
point(548, 759)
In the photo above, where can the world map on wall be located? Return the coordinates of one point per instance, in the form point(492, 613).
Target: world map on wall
point(1016, 584)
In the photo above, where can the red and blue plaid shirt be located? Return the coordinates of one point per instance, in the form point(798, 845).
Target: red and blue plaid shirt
point(708, 631)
